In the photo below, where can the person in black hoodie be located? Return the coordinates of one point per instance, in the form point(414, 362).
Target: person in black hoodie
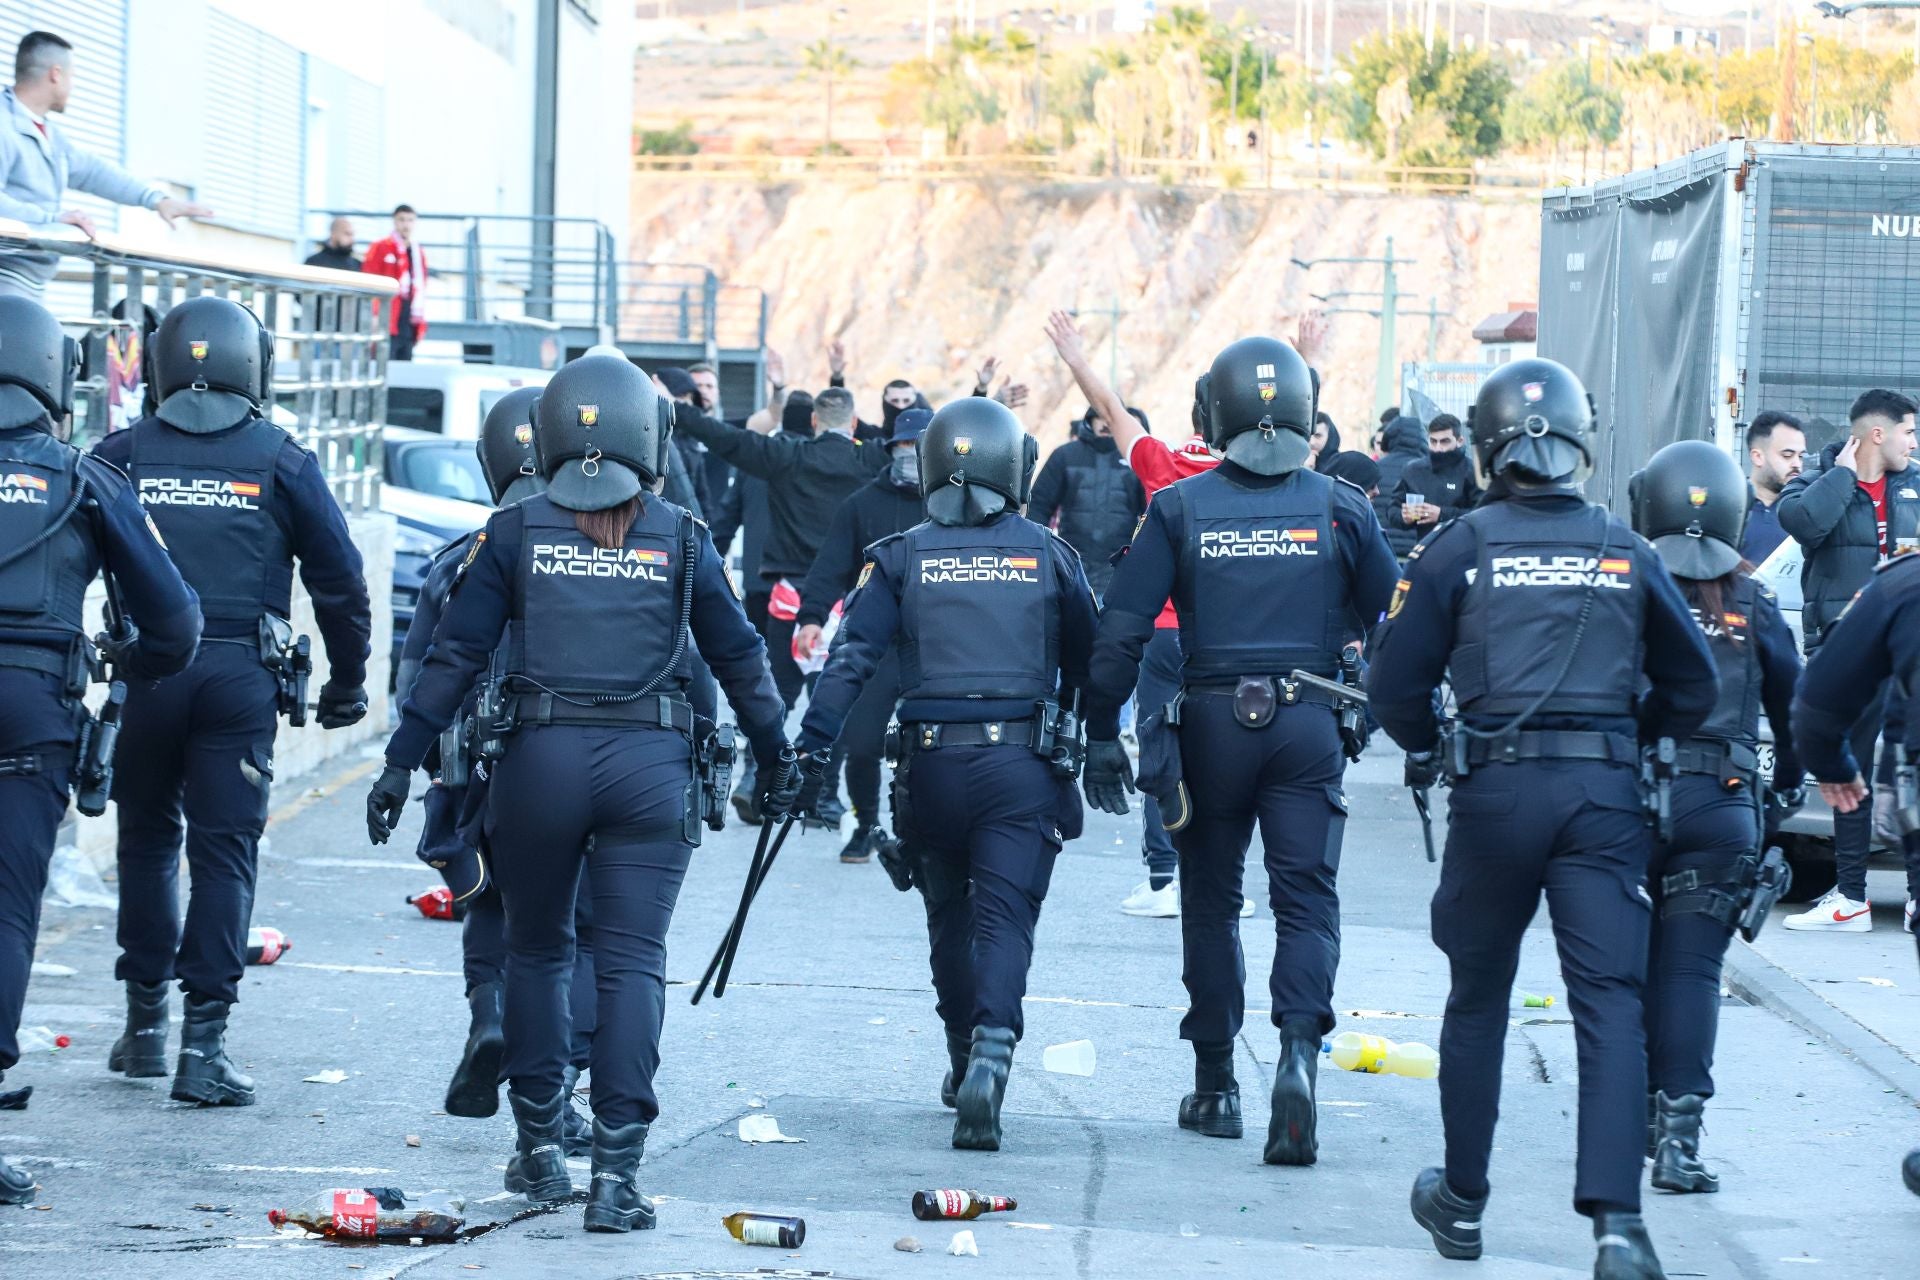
point(1324, 443)
point(1095, 498)
point(1443, 480)
point(888, 505)
point(1406, 445)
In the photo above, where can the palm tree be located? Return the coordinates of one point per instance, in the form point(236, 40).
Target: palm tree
point(827, 60)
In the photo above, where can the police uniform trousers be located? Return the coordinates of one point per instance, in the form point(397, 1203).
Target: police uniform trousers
point(1159, 684)
point(863, 737)
point(612, 800)
point(37, 737)
point(1713, 829)
point(985, 821)
point(1577, 830)
point(196, 758)
point(1285, 777)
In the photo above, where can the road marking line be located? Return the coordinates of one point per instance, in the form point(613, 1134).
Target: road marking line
point(346, 777)
point(395, 970)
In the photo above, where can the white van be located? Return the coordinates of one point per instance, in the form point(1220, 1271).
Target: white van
point(451, 399)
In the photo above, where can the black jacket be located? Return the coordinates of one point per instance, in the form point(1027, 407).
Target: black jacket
point(806, 481)
point(1406, 445)
point(334, 259)
point(1445, 480)
point(1826, 511)
point(1097, 500)
point(870, 513)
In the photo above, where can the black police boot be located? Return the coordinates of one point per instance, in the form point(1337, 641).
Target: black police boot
point(16, 1184)
point(1624, 1251)
point(1213, 1108)
point(828, 814)
point(1676, 1163)
point(1453, 1220)
point(614, 1202)
point(977, 1127)
point(204, 1073)
point(1290, 1134)
point(577, 1133)
point(474, 1091)
point(959, 1049)
point(538, 1167)
point(861, 846)
point(141, 1050)
point(1910, 1171)
point(746, 792)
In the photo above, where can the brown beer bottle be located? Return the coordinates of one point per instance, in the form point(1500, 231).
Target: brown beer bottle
point(769, 1229)
point(931, 1206)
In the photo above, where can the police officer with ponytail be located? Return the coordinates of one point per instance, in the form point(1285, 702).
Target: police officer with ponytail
point(64, 517)
point(992, 620)
point(238, 501)
point(595, 585)
point(1272, 569)
point(1691, 502)
point(1568, 644)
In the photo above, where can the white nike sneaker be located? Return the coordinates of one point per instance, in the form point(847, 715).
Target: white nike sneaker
point(1152, 903)
point(1835, 913)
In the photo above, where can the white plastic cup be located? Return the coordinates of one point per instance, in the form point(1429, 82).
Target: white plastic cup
point(1074, 1058)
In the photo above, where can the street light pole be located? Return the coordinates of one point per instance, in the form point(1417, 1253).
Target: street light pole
point(1385, 384)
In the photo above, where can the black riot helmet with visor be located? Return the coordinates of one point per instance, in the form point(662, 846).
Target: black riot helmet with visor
point(508, 457)
point(211, 361)
point(1259, 397)
point(1690, 501)
point(1532, 423)
point(976, 461)
point(602, 433)
point(38, 362)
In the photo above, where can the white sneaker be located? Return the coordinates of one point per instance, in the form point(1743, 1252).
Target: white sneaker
point(1835, 913)
point(1246, 907)
point(1156, 904)
point(1907, 921)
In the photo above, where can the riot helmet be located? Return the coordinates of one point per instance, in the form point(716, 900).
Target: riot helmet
point(1691, 502)
point(212, 364)
point(1260, 406)
point(507, 455)
point(1532, 422)
point(38, 362)
point(602, 433)
point(976, 461)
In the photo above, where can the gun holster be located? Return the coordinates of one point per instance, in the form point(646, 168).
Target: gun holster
point(290, 658)
point(1059, 738)
point(714, 754)
point(456, 746)
point(901, 860)
point(493, 721)
point(1162, 773)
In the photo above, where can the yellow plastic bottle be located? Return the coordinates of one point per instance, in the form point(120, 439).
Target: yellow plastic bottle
point(1377, 1055)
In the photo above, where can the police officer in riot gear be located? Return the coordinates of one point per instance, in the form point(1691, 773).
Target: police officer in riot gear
point(63, 518)
point(1548, 615)
point(1876, 638)
point(1691, 503)
point(238, 501)
point(1272, 568)
point(993, 620)
point(595, 584)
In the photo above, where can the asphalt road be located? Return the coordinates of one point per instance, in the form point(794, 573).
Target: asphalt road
point(830, 1028)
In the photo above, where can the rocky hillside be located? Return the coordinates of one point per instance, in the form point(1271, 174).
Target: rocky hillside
point(923, 280)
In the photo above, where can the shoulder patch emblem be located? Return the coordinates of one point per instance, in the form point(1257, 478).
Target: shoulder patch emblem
point(154, 529)
point(866, 571)
point(473, 551)
point(1400, 590)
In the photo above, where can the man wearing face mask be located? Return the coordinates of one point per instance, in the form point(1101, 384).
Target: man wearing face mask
point(888, 505)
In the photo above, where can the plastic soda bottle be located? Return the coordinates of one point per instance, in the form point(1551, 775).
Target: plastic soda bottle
point(264, 946)
point(1377, 1055)
point(356, 1215)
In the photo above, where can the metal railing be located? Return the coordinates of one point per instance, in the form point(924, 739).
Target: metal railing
point(330, 363)
point(508, 265)
point(1444, 386)
point(673, 302)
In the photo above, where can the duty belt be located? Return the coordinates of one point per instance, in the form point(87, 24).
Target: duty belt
point(37, 657)
point(1286, 693)
point(930, 735)
point(1553, 744)
point(1731, 762)
point(27, 763)
point(663, 710)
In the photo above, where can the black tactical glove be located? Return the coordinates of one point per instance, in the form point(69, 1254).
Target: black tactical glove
point(780, 782)
point(813, 774)
point(1422, 770)
point(1109, 776)
point(1782, 805)
point(385, 801)
point(341, 706)
point(120, 649)
point(896, 862)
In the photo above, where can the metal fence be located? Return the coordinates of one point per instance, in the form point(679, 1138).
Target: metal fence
point(330, 357)
point(1428, 388)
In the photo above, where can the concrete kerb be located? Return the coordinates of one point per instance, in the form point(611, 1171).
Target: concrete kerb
point(1759, 981)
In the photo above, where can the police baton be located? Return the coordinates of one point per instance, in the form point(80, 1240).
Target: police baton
point(757, 872)
point(1347, 693)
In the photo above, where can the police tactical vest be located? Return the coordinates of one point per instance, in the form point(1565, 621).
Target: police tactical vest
point(1736, 657)
point(41, 590)
point(1260, 589)
point(213, 498)
point(1531, 578)
point(590, 619)
point(978, 617)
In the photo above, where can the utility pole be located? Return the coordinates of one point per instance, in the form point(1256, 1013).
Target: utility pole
point(1486, 25)
point(1329, 41)
point(1385, 381)
point(1113, 313)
